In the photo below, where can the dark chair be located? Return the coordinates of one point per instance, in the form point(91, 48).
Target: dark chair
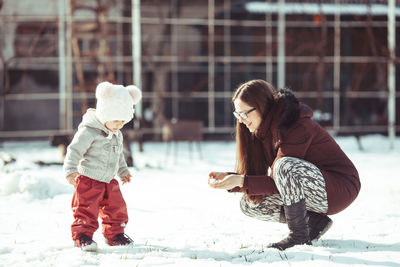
point(183, 131)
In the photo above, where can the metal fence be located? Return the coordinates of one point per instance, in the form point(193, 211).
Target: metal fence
point(188, 56)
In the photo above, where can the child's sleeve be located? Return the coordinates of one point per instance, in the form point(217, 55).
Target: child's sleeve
point(123, 167)
point(76, 149)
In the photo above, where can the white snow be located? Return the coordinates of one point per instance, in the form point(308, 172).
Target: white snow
point(177, 219)
point(214, 181)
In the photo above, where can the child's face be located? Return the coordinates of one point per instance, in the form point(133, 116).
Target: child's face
point(114, 125)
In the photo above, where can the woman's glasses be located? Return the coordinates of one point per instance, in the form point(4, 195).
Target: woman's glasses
point(243, 115)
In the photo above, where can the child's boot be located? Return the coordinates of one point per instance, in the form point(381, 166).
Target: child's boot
point(86, 243)
point(119, 240)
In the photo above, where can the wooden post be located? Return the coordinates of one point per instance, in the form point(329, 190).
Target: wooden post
point(281, 44)
point(61, 66)
point(336, 69)
point(68, 68)
point(211, 66)
point(137, 52)
point(391, 72)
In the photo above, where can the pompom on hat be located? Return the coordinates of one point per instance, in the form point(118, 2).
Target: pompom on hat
point(115, 102)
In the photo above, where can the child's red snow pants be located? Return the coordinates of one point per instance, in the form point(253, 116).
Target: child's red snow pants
point(93, 198)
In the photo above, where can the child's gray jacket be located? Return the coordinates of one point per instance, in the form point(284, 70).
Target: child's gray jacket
point(95, 151)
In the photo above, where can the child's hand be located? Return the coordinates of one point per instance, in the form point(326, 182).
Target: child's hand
point(71, 178)
point(126, 178)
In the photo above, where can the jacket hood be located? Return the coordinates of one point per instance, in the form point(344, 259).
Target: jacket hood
point(90, 119)
point(284, 113)
point(290, 109)
point(305, 111)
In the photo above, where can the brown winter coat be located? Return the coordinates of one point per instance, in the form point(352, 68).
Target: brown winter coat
point(307, 140)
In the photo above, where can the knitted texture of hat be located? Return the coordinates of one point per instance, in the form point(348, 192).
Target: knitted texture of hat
point(115, 102)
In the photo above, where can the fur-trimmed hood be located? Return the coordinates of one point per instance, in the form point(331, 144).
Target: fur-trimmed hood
point(288, 109)
point(284, 114)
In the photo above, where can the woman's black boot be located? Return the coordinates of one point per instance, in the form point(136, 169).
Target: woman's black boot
point(297, 220)
point(318, 224)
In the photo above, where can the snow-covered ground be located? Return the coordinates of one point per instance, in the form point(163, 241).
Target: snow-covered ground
point(176, 219)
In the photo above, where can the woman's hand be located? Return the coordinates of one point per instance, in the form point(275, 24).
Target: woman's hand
point(71, 178)
point(223, 180)
point(126, 178)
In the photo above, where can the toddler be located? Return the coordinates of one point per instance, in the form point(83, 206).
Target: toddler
point(94, 157)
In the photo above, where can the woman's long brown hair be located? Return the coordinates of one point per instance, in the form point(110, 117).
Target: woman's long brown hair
point(250, 157)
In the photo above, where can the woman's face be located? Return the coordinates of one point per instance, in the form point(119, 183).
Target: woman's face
point(253, 115)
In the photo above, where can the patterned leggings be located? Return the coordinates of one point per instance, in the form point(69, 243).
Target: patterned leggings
point(295, 179)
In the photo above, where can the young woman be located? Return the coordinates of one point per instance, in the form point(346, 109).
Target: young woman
point(289, 168)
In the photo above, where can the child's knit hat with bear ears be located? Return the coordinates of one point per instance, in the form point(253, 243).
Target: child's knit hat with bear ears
point(115, 102)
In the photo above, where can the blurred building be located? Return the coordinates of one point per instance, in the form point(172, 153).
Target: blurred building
point(333, 54)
